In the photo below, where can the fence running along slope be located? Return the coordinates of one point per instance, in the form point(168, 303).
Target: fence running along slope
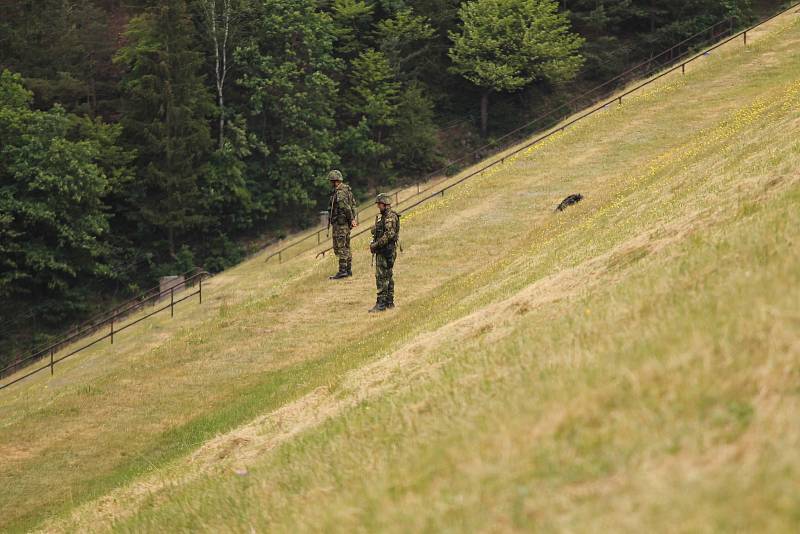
point(676, 52)
point(110, 319)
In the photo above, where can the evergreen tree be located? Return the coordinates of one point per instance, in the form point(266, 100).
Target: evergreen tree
point(167, 112)
point(405, 39)
point(63, 49)
point(504, 45)
point(372, 106)
point(413, 139)
point(374, 93)
point(352, 21)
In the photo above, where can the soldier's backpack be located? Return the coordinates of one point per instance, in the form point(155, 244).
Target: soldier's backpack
point(338, 216)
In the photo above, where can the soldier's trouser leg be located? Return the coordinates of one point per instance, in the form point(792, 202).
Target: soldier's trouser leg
point(348, 255)
point(341, 246)
point(383, 278)
point(390, 289)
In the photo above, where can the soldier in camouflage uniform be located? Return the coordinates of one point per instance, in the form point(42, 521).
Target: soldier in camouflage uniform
point(385, 236)
point(342, 217)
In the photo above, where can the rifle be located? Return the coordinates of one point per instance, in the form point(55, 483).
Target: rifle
point(330, 214)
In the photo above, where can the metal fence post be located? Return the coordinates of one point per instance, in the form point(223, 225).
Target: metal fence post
point(172, 301)
point(112, 330)
point(280, 259)
point(51, 362)
point(745, 37)
point(201, 289)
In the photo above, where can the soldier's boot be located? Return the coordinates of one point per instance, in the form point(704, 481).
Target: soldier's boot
point(350, 267)
point(342, 271)
point(379, 307)
point(389, 303)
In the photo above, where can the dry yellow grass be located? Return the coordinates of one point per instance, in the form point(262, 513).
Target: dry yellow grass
point(629, 364)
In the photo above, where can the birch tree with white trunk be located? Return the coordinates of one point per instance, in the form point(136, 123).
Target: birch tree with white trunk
point(221, 19)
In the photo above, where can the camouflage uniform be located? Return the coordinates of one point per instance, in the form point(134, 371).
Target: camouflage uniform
point(385, 236)
point(342, 213)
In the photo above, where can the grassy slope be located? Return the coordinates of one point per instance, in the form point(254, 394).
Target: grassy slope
point(614, 365)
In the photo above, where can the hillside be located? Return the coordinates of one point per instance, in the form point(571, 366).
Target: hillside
point(630, 364)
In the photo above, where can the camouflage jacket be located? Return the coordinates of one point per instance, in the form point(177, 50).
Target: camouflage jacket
point(386, 231)
point(342, 206)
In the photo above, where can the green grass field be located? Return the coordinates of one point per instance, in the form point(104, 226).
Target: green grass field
point(632, 364)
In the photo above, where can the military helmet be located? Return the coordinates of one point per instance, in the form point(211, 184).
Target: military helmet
point(383, 198)
point(335, 176)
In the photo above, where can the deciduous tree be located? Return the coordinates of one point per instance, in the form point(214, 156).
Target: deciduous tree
point(287, 73)
point(504, 45)
point(54, 177)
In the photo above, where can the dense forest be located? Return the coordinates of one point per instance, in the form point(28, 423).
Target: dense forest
point(140, 138)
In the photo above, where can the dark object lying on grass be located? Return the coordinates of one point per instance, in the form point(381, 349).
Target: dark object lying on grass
point(569, 201)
